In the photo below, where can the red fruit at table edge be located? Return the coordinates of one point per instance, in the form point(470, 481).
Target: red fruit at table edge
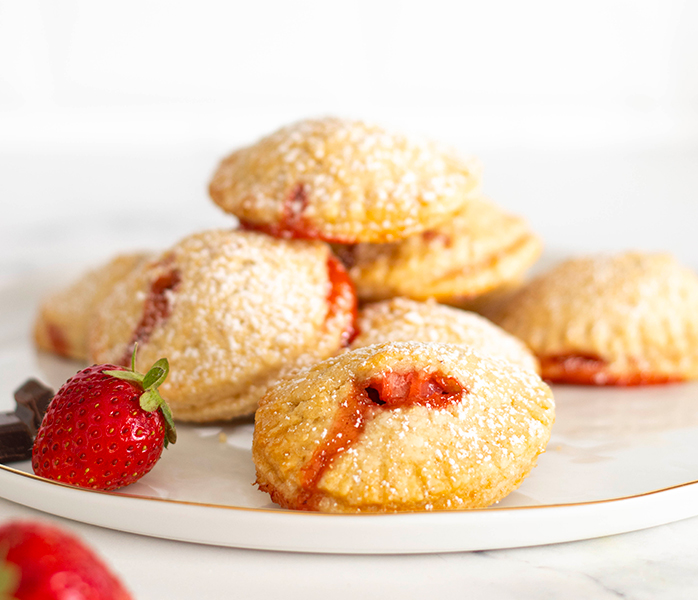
point(105, 428)
point(41, 562)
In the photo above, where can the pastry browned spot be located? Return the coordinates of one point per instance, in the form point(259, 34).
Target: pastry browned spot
point(401, 426)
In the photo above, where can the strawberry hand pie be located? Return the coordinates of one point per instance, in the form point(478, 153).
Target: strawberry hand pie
point(479, 249)
point(404, 320)
point(343, 181)
point(64, 317)
point(629, 319)
point(401, 426)
point(233, 311)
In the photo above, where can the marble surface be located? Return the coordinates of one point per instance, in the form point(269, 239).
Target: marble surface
point(57, 213)
point(650, 564)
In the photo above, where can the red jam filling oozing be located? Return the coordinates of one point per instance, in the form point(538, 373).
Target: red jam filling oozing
point(433, 236)
point(385, 392)
point(58, 341)
point(416, 388)
point(293, 223)
point(341, 297)
point(589, 369)
point(156, 310)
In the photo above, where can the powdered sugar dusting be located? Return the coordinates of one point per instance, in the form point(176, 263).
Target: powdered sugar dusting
point(248, 308)
point(637, 312)
point(403, 320)
point(362, 183)
point(70, 310)
point(467, 454)
point(480, 248)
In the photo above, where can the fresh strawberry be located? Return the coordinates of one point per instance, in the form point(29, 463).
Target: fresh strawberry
point(42, 562)
point(105, 428)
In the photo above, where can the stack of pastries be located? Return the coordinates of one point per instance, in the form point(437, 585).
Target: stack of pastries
point(333, 312)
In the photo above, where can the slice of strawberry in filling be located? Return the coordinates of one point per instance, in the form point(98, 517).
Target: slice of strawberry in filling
point(414, 388)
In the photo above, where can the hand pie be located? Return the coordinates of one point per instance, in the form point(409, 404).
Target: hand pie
point(342, 181)
point(233, 312)
point(403, 320)
point(401, 426)
point(629, 319)
point(62, 323)
point(480, 249)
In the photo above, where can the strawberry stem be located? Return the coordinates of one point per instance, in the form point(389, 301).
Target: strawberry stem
point(151, 399)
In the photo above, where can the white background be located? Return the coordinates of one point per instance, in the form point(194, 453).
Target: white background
point(114, 114)
point(585, 114)
point(483, 74)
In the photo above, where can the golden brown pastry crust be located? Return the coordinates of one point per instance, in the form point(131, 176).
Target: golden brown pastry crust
point(479, 249)
point(468, 446)
point(405, 320)
point(343, 181)
point(62, 324)
point(628, 319)
point(232, 311)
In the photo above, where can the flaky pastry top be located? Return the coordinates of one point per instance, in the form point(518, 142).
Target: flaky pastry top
point(343, 181)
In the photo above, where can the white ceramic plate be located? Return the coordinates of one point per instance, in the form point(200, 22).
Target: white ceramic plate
point(619, 460)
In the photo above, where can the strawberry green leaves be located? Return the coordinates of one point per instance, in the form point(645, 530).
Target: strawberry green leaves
point(151, 400)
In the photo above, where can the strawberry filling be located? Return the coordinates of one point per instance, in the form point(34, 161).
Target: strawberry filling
point(388, 391)
point(156, 310)
point(58, 341)
point(293, 223)
point(341, 297)
point(434, 236)
point(589, 369)
point(416, 388)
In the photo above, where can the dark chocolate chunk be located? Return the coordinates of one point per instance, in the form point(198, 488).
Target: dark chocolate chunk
point(15, 439)
point(32, 400)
